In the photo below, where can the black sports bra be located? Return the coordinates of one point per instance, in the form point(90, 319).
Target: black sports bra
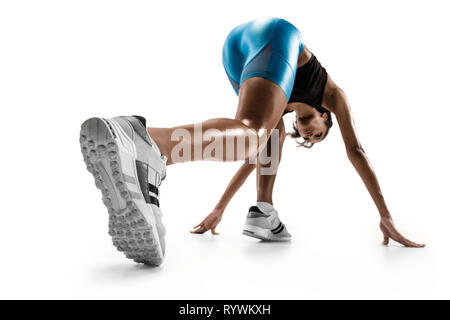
point(309, 84)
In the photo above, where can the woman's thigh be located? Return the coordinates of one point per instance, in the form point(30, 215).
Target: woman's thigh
point(261, 103)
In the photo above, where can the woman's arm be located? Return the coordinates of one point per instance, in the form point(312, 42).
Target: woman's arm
point(341, 108)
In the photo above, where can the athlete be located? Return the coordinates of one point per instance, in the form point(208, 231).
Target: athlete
point(273, 73)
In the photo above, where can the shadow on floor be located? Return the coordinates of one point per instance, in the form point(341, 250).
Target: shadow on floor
point(125, 271)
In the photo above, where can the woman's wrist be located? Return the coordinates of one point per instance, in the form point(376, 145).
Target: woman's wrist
point(382, 207)
point(220, 207)
point(385, 213)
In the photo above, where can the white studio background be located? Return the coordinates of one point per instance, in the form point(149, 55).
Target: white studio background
point(64, 61)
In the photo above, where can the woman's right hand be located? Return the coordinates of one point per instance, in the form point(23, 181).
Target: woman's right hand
point(390, 232)
point(209, 223)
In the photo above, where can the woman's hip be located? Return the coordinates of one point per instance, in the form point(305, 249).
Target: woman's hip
point(267, 48)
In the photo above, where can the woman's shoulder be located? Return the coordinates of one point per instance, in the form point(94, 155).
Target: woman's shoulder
point(331, 95)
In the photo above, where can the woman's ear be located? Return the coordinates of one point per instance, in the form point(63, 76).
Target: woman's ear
point(324, 116)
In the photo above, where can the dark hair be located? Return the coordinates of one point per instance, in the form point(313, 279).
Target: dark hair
point(296, 135)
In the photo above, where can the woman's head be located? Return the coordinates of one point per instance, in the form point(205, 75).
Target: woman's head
point(312, 129)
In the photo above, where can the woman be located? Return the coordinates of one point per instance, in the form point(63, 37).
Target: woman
point(273, 73)
point(314, 97)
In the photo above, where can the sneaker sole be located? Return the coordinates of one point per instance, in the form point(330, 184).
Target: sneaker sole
point(263, 234)
point(106, 151)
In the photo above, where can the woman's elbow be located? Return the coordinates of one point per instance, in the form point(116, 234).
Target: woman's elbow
point(355, 151)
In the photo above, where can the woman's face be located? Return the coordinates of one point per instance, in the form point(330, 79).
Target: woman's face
point(312, 128)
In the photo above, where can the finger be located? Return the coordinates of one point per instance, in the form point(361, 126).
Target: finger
point(409, 243)
point(197, 227)
point(200, 230)
point(397, 236)
point(417, 245)
point(385, 235)
point(213, 231)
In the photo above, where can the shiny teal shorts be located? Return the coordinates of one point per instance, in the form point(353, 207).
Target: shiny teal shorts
point(268, 48)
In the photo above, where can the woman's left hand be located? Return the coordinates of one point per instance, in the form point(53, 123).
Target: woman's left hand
point(390, 232)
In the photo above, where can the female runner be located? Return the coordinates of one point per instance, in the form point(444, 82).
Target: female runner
point(273, 73)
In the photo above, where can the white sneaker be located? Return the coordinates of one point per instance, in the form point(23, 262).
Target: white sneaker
point(128, 169)
point(263, 223)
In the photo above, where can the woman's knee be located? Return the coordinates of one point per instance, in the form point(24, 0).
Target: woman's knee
point(264, 130)
point(259, 127)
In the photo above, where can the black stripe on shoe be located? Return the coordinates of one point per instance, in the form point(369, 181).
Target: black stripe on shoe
point(277, 232)
point(142, 173)
point(147, 188)
point(154, 201)
point(277, 228)
point(153, 188)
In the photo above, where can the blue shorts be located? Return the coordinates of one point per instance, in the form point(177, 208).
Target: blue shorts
point(267, 48)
